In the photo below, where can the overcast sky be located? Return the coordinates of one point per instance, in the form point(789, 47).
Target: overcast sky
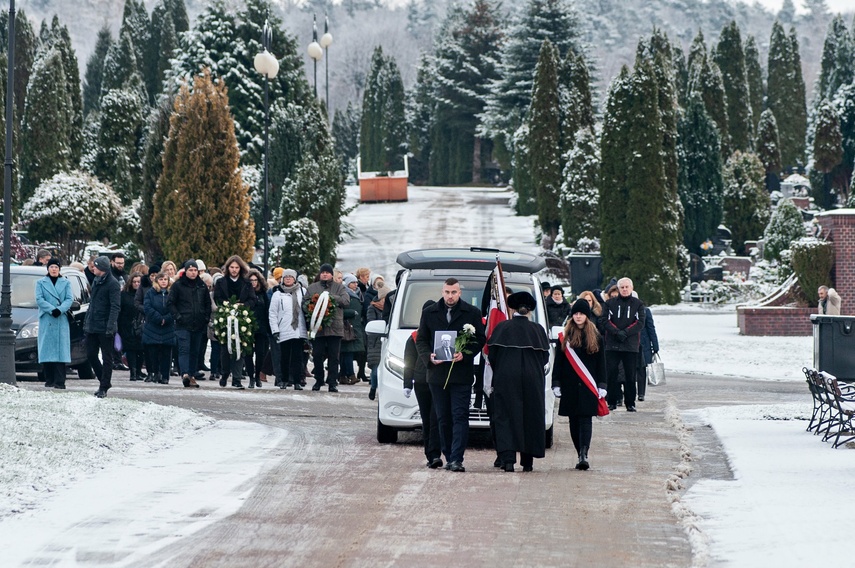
point(833, 5)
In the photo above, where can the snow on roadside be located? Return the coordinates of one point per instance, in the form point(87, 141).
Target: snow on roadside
point(48, 439)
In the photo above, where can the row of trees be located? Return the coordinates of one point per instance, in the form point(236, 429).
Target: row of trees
point(170, 120)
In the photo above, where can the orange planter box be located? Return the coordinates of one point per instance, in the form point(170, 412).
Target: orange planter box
point(384, 188)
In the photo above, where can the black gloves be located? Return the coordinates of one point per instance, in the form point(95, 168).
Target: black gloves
point(56, 313)
point(621, 335)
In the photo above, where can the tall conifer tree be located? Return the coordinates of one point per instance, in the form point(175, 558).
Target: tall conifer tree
point(156, 131)
point(746, 201)
point(754, 75)
point(579, 202)
point(61, 40)
point(576, 100)
point(201, 178)
point(95, 71)
point(768, 148)
point(785, 96)
point(838, 60)
point(827, 152)
point(705, 80)
point(383, 131)
point(731, 61)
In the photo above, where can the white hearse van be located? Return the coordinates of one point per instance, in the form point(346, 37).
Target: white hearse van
point(425, 272)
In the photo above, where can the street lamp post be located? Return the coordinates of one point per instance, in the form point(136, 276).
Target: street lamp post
point(267, 65)
point(326, 41)
point(7, 336)
point(315, 50)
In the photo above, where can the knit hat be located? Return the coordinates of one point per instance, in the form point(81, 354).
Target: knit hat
point(201, 266)
point(102, 263)
point(559, 288)
point(348, 278)
point(611, 286)
point(581, 306)
point(286, 272)
point(154, 268)
point(521, 300)
point(191, 263)
point(383, 291)
point(326, 268)
point(54, 260)
point(374, 278)
point(277, 273)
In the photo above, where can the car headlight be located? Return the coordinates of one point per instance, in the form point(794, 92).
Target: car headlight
point(395, 366)
point(29, 330)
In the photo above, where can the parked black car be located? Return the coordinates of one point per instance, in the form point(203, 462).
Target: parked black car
point(25, 318)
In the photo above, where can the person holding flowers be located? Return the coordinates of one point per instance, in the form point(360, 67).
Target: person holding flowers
point(190, 306)
point(233, 288)
point(451, 381)
point(329, 325)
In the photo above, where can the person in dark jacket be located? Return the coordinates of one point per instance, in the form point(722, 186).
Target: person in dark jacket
point(557, 308)
point(54, 298)
point(576, 394)
point(233, 285)
point(649, 347)
point(352, 316)
point(101, 323)
point(261, 342)
point(374, 343)
point(625, 320)
point(451, 382)
point(89, 271)
point(326, 343)
point(190, 305)
point(130, 326)
point(519, 351)
point(159, 329)
point(415, 379)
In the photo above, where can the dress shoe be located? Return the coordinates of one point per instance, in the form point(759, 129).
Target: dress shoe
point(100, 394)
point(641, 398)
point(237, 384)
point(612, 407)
point(528, 468)
point(199, 376)
point(185, 379)
point(447, 466)
point(164, 380)
point(435, 463)
point(457, 466)
point(497, 463)
point(297, 387)
point(333, 389)
point(282, 386)
point(193, 383)
point(583, 459)
point(317, 386)
point(372, 393)
point(223, 381)
point(509, 467)
point(61, 387)
point(151, 378)
point(630, 409)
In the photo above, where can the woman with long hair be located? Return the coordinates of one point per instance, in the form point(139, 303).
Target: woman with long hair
point(261, 342)
point(130, 326)
point(572, 375)
point(596, 309)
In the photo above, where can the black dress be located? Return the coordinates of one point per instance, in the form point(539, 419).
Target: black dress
point(518, 351)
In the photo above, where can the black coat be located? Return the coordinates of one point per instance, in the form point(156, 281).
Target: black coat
point(434, 319)
point(557, 312)
point(373, 343)
point(623, 314)
point(190, 304)
point(576, 398)
point(261, 309)
point(414, 368)
point(518, 351)
point(159, 325)
point(127, 314)
point(649, 340)
point(104, 305)
point(246, 297)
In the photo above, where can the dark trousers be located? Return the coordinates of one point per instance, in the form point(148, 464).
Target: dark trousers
point(452, 412)
point(641, 376)
point(347, 364)
point(150, 363)
point(613, 361)
point(161, 357)
point(230, 364)
point(430, 425)
point(102, 342)
point(327, 349)
point(291, 361)
point(54, 374)
point(259, 349)
point(508, 456)
point(215, 357)
point(360, 359)
point(581, 429)
point(135, 361)
point(189, 350)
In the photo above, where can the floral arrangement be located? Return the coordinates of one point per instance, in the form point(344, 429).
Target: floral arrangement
point(328, 313)
point(461, 345)
point(235, 326)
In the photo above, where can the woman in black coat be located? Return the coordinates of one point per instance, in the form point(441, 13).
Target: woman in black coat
point(578, 401)
point(261, 341)
point(159, 329)
point(130, 327)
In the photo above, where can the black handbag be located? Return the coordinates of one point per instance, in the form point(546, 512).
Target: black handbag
point(349, 333)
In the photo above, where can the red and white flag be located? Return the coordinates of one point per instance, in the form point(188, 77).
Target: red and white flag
point(497, 313)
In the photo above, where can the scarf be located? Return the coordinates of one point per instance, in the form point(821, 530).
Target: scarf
point(295, 307)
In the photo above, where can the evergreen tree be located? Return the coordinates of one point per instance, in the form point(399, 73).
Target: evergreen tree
point(731, 61)
point(137, 25)
point(383, 129)
point(746, 202)
point(787, 14)
point(754, 76)
point(785, 96)
point(26, 43)
point(545, 143)
point(681, 75)
point(161, 45)
point(201, 179)
point(578, 204)
point(156, 131)
point(95, 71)
point(769, 147)
point(799, 96)
point(301, 250)
point(345, 133)
point(168, 45)
point(576, 101)
point(524, 200)
point(120, 68)
point(827, 152)
point(844, 105)
point(785, 226)
point(838, 60)
point(120, 132)
point(700, 183)
point(420, 110)
point(179, 15)
point(61, 40)
point(510, 95)
point(46, 125)
point(705, 80)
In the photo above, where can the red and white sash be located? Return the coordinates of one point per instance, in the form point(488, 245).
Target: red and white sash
point(585, 374)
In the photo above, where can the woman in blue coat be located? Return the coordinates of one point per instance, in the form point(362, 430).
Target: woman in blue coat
point(159, 328)
point(53, 296)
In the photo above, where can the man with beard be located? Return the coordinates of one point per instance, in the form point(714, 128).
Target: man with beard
point(326, 345)
point(451, 381)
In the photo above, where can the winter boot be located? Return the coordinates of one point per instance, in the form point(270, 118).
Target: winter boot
point(252, 382)
point(236, 383)
point(152, 378)
point(297, 386)
point(258, 382)
point(134, 375)
point(583, 459)
point(164, 380)
point(224, 381)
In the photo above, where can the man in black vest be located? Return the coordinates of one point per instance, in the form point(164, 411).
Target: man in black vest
point(625, 320)
point(451, 381)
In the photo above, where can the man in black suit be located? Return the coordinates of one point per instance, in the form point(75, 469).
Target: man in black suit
point(451, 381)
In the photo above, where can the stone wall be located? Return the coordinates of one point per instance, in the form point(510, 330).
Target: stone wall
point(778, 320)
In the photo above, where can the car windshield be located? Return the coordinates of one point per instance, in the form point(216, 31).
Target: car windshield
point(24, 290)
point(417, 292)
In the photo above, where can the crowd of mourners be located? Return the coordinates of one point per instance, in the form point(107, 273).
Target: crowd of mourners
point(157, 322)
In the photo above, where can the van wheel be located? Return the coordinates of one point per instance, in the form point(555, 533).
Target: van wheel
point(549, 436)
point(84, 371)
point(386, 434)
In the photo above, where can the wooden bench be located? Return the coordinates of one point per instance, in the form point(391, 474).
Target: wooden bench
point(833, 408)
